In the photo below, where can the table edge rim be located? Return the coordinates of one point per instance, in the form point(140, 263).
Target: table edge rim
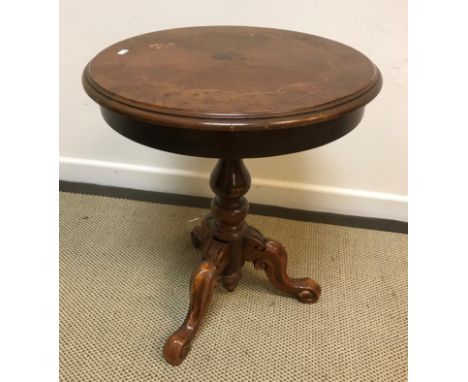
point(234, 123)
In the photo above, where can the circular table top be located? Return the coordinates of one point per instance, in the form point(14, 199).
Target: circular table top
point(233, 73)
point(230, 79)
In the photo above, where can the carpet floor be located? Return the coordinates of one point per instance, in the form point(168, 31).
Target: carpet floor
point(125, 268)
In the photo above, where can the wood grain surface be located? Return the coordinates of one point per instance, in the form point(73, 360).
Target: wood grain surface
point(230, 74)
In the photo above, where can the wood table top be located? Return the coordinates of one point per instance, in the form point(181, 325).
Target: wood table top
point(231, 91)
point(231, 73)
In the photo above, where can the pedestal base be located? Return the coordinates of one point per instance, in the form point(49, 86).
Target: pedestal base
point(265, 254)
point(227, 242)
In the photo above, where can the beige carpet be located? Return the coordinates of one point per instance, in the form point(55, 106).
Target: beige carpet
point(124, 273)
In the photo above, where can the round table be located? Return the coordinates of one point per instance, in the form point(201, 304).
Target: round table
point(231, 92)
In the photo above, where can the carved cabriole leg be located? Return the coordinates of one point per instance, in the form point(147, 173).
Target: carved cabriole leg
point(204, 280)
point(270, 256)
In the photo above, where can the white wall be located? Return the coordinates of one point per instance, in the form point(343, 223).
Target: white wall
point(363, 173)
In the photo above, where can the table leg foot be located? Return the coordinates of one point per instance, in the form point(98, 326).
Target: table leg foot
point(271, 256)
point(230, 281)
point(204, 280)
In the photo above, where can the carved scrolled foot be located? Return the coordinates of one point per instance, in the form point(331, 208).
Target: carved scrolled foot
point(204, 280)
point(202, 233)
point(177, 347)
point(271, 256)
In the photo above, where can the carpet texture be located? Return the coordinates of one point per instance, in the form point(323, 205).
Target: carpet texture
point(125, 268)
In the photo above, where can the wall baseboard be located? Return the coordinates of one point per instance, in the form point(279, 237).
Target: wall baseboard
point(264, 191)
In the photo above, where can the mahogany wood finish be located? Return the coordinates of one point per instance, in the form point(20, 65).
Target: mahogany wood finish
point(231, 93)
point(227, 242)
point(204, 280)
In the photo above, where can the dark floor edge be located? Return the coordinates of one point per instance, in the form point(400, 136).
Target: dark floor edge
point(258, 209)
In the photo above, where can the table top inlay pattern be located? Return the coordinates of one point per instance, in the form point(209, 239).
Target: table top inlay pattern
point(229, 72)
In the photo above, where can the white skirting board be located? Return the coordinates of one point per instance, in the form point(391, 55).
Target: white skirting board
point(263, 191)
